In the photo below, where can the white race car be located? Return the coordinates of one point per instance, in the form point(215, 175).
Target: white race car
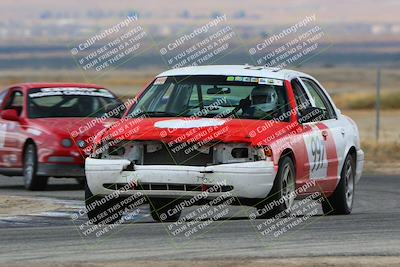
point(198, 133)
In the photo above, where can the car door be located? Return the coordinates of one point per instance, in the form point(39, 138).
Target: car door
point(315, 156)
point(329, 140)
point(2, 127)
point(11, 138)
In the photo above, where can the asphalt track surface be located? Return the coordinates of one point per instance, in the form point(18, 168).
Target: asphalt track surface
point(373, 229)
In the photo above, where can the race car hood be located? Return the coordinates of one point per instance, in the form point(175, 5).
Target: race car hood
point(191, 130)
point(70, 127)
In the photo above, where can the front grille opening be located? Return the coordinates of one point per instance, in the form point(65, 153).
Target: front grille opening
point(156, 186)
point(192, 187)
point(240, 152)
point(116, 186)
point(187, 154)
point(180, 154)
point(177, 187)
point(116, 151)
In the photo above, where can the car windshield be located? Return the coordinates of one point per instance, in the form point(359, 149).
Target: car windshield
point(70, 102)
point(213, 96)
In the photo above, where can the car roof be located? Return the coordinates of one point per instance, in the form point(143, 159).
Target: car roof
point(242, 70)
point(32, 85)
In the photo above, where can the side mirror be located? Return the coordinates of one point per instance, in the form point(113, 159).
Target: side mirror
point(311, 114)
point(10, 115)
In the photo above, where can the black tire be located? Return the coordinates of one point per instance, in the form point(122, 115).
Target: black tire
point(31, 180)
point(98, 208)
point(159, 210)
point(341, 201)
point(282, 192)
point(81, 182)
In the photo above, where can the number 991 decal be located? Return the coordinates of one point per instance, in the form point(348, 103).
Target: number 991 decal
point(316, 153)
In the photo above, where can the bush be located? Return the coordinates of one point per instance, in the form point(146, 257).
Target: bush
point(389, 100)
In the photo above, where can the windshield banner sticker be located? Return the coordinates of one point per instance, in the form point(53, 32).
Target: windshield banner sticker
point(71, 91)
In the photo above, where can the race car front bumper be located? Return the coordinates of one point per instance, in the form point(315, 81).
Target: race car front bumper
point(242, 180)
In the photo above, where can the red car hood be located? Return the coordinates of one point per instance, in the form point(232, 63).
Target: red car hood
point(75, 127)
point(178, 130)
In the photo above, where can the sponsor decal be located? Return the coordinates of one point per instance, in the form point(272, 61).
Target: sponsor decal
point(270, 81)
point(43, 92)
point(160, 80)
point(267, 81)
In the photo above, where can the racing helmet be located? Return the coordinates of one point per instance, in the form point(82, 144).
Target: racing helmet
point(264, 98)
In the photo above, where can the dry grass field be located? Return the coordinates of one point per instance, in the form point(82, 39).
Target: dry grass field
point(382, 156)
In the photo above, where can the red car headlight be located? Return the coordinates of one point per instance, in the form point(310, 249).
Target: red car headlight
point(66, 142)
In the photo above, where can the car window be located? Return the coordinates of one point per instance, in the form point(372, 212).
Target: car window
point(208, 99)
point(15, 102)
point(300, 95)
point(319, 98)
point(2, 95)
point(214, 96)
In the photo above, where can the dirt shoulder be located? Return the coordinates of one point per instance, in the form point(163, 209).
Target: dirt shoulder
point(16, 205)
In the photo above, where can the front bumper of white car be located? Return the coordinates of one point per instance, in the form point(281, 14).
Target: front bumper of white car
point(242, 180)
point(359, 165)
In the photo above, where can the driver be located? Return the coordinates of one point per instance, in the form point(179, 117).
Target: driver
point(263, 99)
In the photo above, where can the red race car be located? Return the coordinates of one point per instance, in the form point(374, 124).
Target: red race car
point(46, 129)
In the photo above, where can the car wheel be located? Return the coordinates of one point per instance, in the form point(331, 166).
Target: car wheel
point(81, 182)
point(31, 180)
point(282, 195)
point(103, 210)
point(159, 210)
point(341, 201)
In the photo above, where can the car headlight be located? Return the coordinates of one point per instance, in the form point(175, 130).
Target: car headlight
point(66, 142)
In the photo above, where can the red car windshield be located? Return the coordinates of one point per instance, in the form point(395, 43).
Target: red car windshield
point(213, 96)
point(70, 102)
